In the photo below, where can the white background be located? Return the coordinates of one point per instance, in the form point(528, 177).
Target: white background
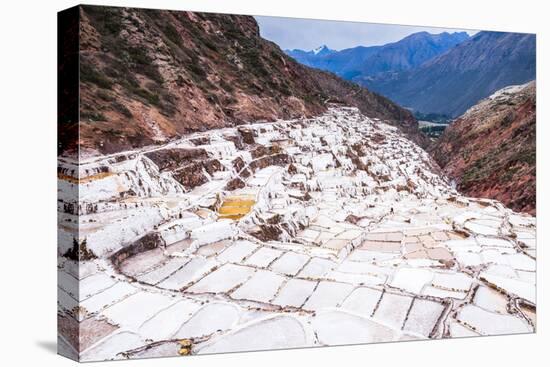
point(28, 180)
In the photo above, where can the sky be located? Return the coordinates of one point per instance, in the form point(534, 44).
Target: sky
point(308, 34)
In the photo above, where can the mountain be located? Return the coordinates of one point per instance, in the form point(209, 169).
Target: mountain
point(345, 63)
point(319, 52)
point(362, 62)
point(410, 52)
point(490, 150)
point(149, 76)
point(322, 50)
point(309, 57)
point(457, 79)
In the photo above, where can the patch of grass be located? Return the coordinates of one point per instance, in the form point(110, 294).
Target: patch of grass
point(226, 86)
point(90, 75)
point(433, 131)
point(148, 96)
point(251, 57)
point(509, 174)
point(528, 156)
point(308, 98)
point(197, 71)
point(141, 63)
point(122, 109)
point(138, 56)
point(209, 44)
point(483, 167)
point(105, 95)
point(114, 133)
point(285, 89)
point(92, 116)
point(172, 33)
point(108, 20)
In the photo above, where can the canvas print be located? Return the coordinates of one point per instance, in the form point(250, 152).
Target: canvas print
point(232, 183)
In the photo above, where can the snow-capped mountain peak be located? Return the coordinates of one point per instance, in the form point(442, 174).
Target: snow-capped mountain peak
point(321, 49)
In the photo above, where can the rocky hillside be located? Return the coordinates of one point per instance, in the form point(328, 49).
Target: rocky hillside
point(459, 78)
point(148, 76)
point(490, 150)
point(360, 62)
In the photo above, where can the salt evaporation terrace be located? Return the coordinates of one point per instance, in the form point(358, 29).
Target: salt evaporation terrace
point(325, 231)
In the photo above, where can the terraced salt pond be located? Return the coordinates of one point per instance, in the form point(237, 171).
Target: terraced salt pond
point(236, 207)
point(346, 233)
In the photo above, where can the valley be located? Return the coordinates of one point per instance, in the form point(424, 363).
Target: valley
point(218, 194)
point(317, 231)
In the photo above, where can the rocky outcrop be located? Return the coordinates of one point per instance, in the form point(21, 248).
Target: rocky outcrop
point(490, 150)
point(190, 166)
point(170, 159)
point(149, 76)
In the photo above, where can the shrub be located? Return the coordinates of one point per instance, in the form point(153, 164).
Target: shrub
point(89, 75)
point(172, 34)
point(92, 116)
point(122, 109)
point(148, 96)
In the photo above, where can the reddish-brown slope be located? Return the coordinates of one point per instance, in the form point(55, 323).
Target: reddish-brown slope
point(150, 75)
point(490, 150)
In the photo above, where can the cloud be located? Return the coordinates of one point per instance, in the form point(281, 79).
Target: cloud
point(307, 34)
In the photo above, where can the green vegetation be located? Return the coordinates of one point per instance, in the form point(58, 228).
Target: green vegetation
point(495, 160)
point(105, 95)
point(127, 60)
point(108, 19)
point(138, 60)
point(226, 86)
point(92, 116)
point(528, 156)
point(252, 58)
point(89, 75)
point(114, 133)
point(122, 109)
point(509, 173)
point(148, 96)
point(432, 117)
point(433, 131)
point(172, 34)
point(477, 172)
point(196, 69)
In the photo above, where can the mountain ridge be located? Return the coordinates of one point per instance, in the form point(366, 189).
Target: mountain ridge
point(481, 65)
point(148, 76)
point(490, 151)
point(364, 61)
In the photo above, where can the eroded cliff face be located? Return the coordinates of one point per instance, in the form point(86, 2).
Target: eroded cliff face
point(490, 150)
point(148, 76)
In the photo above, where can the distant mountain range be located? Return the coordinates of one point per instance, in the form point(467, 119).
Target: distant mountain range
point(442, 73)
point(310, 57)
point(456, 80)
point(361, 61)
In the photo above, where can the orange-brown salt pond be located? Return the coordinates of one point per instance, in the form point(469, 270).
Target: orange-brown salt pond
point(236, 207)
